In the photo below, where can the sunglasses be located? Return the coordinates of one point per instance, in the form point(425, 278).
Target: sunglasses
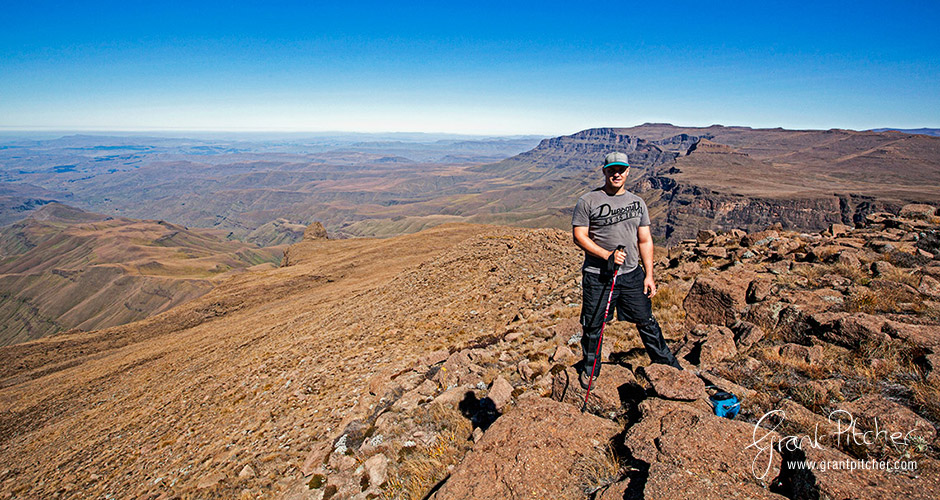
point(616, 170)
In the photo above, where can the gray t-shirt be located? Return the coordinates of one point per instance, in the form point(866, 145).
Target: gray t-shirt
point(611, 221)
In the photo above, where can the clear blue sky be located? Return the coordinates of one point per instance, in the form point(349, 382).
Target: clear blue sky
point(467, 67)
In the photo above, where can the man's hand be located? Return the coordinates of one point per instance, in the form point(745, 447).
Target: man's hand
point(649, 286)
point(619, 257)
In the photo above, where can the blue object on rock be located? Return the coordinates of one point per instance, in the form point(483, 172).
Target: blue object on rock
point(725, 404)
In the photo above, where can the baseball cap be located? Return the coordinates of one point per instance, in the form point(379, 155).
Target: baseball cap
point(616, 158)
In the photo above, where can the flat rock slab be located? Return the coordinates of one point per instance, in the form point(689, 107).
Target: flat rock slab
point(672, 383)
point(530, 453)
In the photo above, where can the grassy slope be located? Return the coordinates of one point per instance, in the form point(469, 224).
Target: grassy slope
point(67, 269)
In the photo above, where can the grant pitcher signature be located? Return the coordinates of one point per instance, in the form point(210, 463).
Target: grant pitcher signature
point(767, 441)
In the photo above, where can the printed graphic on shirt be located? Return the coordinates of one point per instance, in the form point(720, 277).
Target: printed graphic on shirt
point(607, 217)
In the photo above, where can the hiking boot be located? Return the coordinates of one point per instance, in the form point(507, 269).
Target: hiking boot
point(584, 379)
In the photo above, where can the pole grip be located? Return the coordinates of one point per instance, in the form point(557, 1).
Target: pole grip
point(617, 266)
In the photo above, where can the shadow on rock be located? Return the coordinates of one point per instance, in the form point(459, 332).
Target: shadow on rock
point(481, 412)
point(794, 482)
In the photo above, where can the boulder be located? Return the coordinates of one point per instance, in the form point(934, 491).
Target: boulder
point(716, 253)
point(612, 393)
point(799, 353)
point(454, 395)
point(825, 253)
point(210, 481)
point(500, 393)
point(247, 472)
point(746, 334)
point(728, 386)
point(838, 229)
point(376, 470)
point(927, 336)
point(314, 232)
point(707, 345)
point(433, 358)
point(671, 383)
point(564, 355)
point(532, 452)
point(717, 346)
point(765, 314)
point(929, 286)
point(849, 260)
point(693, 454)
point(814, 425)
point(760, 238)
point(716, 299)
point(918, 211)
point(705, 235)
point(614, 491)
point(456, 367)
point(848, 330)
point(316, 457)
point(759, 290)
point(845, 482)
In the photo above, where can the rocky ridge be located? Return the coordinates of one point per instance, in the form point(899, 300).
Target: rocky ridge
point(797, 325)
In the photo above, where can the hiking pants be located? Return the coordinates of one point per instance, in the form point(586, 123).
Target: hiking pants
point(631, 304)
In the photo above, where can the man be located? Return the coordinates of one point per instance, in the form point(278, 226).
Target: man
point(604, 219)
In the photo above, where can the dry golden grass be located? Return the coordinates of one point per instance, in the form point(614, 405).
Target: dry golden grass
point(854, 273)
point(926, 397)
point(811, 272)
point(901, 275)
point(424, 466)
point(413, 477)
point(869, 302)
point(598, 470)
point(816, 370)
point(880, 360)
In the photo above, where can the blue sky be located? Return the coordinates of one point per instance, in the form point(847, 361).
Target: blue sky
point(466, 67)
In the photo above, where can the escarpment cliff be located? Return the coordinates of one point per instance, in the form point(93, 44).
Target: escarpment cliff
point(741, 178)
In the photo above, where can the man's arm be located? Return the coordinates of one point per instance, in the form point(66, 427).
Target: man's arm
point(645, 244)
point(581, 238)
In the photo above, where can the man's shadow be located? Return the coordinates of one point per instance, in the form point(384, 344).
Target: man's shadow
point(481, 412)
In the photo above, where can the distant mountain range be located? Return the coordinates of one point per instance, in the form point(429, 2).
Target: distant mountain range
point(692, 177)
point(924, 131)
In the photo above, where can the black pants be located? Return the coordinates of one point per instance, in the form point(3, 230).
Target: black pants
point(631, 304)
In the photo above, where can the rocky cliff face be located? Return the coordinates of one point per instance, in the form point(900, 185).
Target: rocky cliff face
point(582, 153)
point(735, 177)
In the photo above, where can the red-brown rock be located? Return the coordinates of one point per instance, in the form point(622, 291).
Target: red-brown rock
point(927, 336)
point(671, 383)
point(611, 393)
point(848, 330)
point(696, 455)
point(530, 453)
point(715, 299)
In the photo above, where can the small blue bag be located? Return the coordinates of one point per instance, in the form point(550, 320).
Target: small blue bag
point(725, 404)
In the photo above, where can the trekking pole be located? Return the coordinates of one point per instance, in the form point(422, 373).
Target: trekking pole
point(600, 340)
